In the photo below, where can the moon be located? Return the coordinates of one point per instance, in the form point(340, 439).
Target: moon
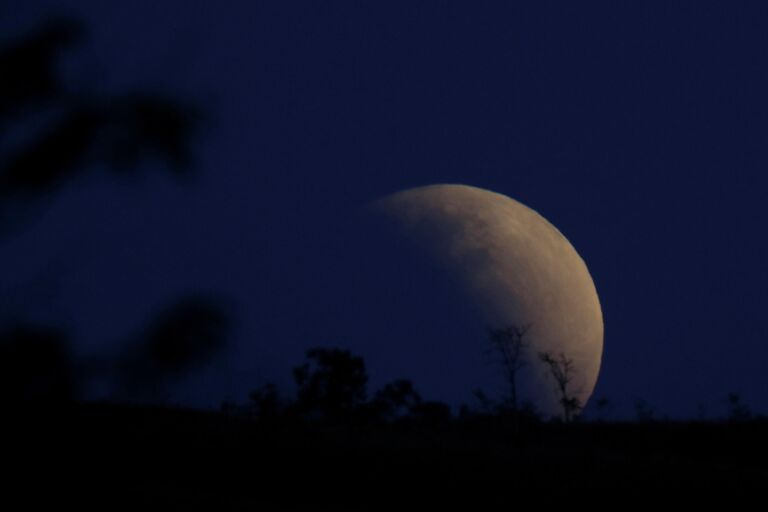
point(516, 268)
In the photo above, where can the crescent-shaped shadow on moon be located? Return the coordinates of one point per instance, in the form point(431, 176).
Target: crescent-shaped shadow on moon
point(518, 269)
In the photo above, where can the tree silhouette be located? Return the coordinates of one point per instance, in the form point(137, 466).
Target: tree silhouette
point(510, 343)
point(332, 384)
point(562, 371)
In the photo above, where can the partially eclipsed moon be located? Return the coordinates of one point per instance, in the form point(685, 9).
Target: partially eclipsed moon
point(519, 269)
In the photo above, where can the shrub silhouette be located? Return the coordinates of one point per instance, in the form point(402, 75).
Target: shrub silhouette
point(603, 405)
point(265, 402)
point(431, 414)
point(738, 411)
point(333, 383)
point(396, 399)
point(644, 412)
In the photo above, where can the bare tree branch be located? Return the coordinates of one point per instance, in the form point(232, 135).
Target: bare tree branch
point(510, 343)
point(561, 368)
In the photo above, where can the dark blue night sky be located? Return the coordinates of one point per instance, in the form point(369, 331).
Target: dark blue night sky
point(639, 129)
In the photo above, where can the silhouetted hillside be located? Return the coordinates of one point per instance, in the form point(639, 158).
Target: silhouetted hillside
point(185, 457)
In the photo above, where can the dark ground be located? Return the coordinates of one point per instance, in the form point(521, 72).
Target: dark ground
point(130, 455)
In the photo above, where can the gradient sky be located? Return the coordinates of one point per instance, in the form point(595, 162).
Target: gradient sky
point(639, 129)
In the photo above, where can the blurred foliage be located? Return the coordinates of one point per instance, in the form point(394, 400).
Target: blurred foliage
point(179, 339)
point(74, 131)
point(52, 133)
